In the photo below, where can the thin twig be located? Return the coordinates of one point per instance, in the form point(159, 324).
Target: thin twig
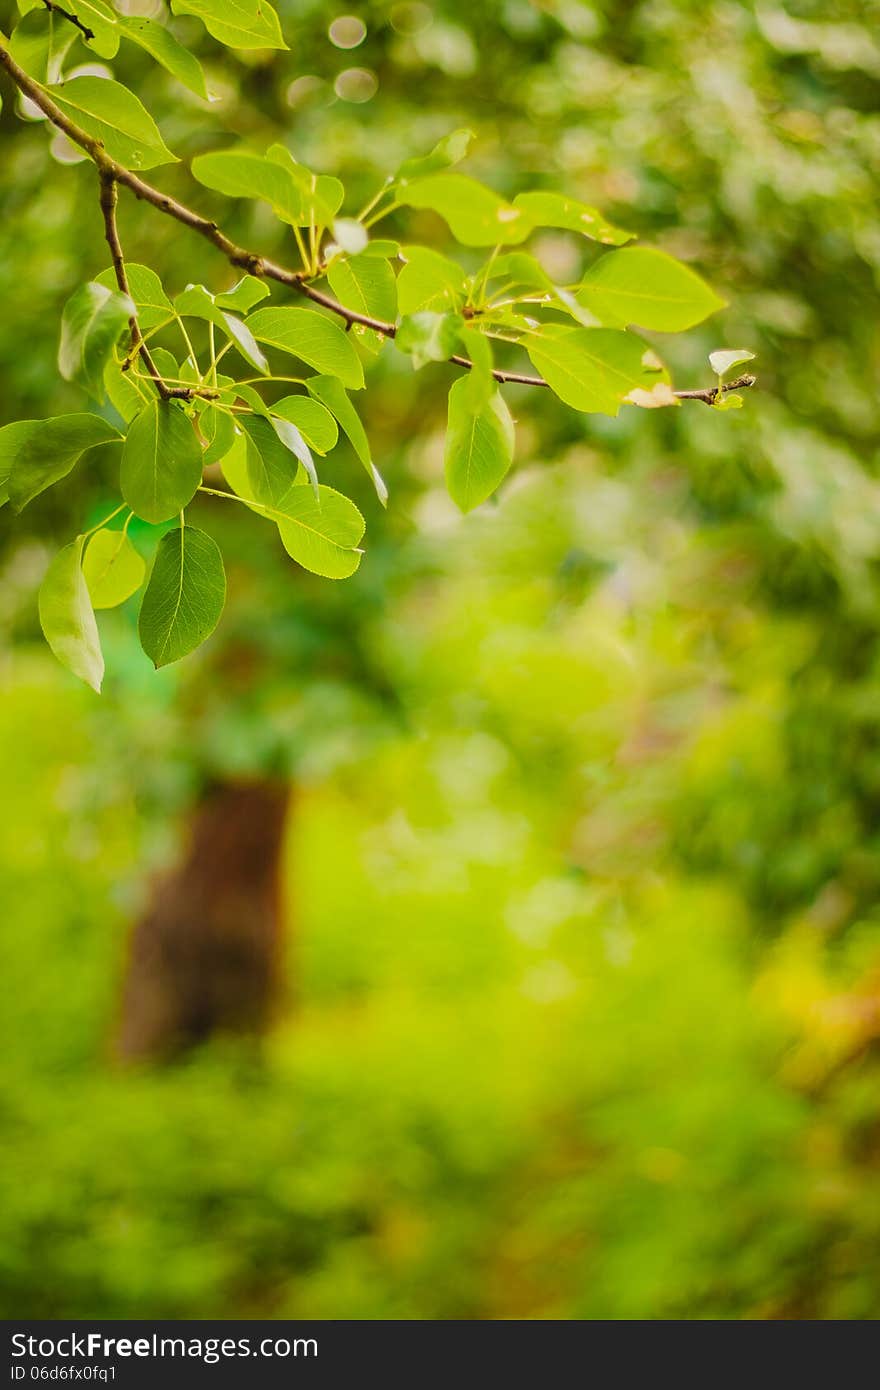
point(709, 394)
point(240, 256)
point(71, 18)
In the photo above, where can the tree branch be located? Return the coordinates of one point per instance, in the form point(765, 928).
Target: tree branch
point(240, 256)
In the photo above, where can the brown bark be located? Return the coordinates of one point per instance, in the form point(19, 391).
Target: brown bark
point(205, 957)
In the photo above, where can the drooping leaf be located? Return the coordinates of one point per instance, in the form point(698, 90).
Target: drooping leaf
point(112, 568)
point(555, 210)
point(447, 152)
point(331, 393)
point(591, 369)
point(475, 215)
point(152, 303)
point(92, 322)
point(196, 302)
point(479, 446)
point(40, 455)
point(161, 44)
point(115, 116)
point(185, 596)
point(429, 281)
point(321, 532)
point(314, 421)
point(293, 440)
point(67, 617)
point(649, 288)
point(161, 462)
point(428, 337)
point(311, 337)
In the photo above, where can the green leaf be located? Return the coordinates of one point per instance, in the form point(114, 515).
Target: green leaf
point(48, 450)
point(259, 466)
point(112, 568)
point(294, 194)
point(313, 420)
point(311, 337)
point(161, 462)
point(591, 369)
point(367, 284)
point(12, 439)
point(161, 44)
point(114, 115)
point(244, 296)
point(103, 21)
point(152, 303)
point(185, 596)
point(479, 384)
point(428, 337)
point(724, 360)
point(555, 210)
point(479, 446)
point(196, 302)
point(124, 396)
point(236, 23)
point(68, 619)
point(40, 47)
point(218, 431)
point(520, 271)
point(448, 151)
point(475, 215)
point(92, 322)
point(429, 281)
point(323, 193)
point(331, 393)
point(648, 288)
point(321, 532)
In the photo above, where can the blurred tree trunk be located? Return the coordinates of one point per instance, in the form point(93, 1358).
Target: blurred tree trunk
point(205, 957)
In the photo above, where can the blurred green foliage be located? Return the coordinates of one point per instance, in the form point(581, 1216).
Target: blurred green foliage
point(587, 1026)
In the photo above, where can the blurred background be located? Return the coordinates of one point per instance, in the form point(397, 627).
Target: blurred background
point(572, 929)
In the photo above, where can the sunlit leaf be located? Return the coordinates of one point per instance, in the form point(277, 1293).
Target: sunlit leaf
point(112, 568)
point(479, 446)
point(555, 210)
point(591, 369)
point(648, 288)
point(311, 337)
point(236, 23)
point(475, 215)
point(114, 115)
point(161, 44)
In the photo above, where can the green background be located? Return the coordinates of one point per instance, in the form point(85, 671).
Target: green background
point(582, 870)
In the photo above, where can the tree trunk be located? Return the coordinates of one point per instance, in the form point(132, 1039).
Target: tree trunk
point(205, 957)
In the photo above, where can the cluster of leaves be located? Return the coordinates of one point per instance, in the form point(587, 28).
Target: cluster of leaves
point(175, 416)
